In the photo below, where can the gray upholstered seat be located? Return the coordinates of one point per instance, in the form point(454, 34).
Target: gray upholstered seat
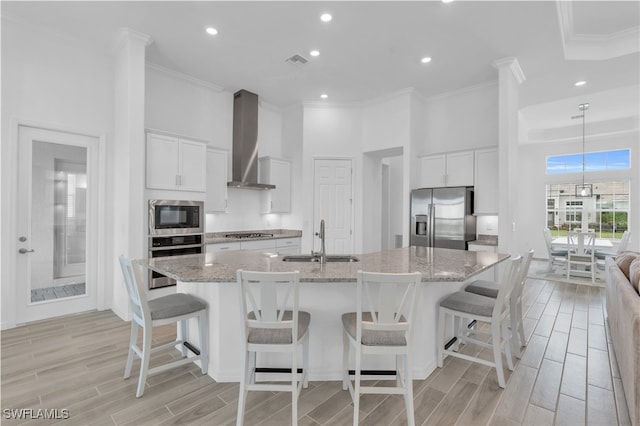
point(484, 288)
point(559, 252)
point(175, 305)
point(279, 336)
point(469, 303)
point(373, 337)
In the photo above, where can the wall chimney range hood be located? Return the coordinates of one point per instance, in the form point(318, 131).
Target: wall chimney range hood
point(244, 167)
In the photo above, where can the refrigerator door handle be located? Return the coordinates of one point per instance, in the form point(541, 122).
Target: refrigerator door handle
point(432, 239)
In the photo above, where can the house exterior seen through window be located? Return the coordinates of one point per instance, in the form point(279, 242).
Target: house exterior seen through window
point(607, 211)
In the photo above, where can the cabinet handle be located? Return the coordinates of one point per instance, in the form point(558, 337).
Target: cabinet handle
point(224, 248)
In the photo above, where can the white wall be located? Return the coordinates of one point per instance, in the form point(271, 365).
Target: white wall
point(461, 120)
point(55, 82)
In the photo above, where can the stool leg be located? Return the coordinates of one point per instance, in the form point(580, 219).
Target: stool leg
point(242, 397)
point(440, 340)
point(305, 362)
point(294, 386)
point(356, 393)
point(497, 352)
point(146, 355)
point(203, 328)
point(133, 341)
point(345, 360)
point(182, 336)
point(408, 388)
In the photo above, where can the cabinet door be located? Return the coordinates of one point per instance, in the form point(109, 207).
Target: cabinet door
point(486, 182)
point(193, 166)
point(288, 250)
point(276, 172)
point(460, 169)
point(216, 200)
point(281, 178)
point(162, 162)
point(432, 171)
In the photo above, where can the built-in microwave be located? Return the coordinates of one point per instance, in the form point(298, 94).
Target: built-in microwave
point(173, 217)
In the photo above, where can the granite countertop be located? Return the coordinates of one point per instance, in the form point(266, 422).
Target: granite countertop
point(435, 264)
point(486, 240)
point(224, 237)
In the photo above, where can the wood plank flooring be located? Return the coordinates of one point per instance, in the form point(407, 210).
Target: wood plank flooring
point(566, 376)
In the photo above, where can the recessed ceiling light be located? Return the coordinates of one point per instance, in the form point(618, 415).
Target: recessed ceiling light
point(324, 96)
point(314, 53)
point(447, 1)
point(326, 17)
point(426, 59)
point(212, 31)
point(580, 83)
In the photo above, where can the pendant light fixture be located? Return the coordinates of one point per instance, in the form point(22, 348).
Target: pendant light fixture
point(584, 190)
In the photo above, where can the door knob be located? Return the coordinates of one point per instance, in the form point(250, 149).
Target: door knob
point(24, 250)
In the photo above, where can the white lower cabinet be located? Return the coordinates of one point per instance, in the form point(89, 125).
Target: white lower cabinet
point(275, 245)
point(212, 248)
point(482, 247)
point(288, 246)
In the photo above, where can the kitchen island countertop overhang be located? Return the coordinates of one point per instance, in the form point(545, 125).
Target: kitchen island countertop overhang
point(326, 292)
point(435, 265)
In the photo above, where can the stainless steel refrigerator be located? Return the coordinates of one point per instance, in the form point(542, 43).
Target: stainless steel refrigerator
point(442, 217)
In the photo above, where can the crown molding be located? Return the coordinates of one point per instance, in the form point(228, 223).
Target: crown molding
point(592, 46)
point(127, 34)
point(462, 91)
point(513, 65)
point(184, 77)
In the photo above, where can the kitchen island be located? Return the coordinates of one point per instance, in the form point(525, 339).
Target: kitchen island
point(326, 291)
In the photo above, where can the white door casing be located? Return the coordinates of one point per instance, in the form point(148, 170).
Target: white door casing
point(333, 202)
point(27, 238)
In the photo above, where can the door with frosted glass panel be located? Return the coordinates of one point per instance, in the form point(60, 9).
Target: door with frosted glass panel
point(54, 227)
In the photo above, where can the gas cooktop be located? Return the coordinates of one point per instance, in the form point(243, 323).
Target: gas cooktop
point(249, 235)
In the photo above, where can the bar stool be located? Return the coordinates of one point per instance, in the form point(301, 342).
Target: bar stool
point(491, 288)
point(174, 308)
point(269, 325)
point(384, 327)
point(463, 305)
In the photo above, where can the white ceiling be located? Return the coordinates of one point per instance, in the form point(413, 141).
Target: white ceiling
point(370, 49)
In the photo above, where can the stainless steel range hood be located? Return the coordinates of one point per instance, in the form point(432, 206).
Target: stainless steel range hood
point(244, 167)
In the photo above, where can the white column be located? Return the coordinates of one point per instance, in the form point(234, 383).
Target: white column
point(128, 158)
point(510, 76)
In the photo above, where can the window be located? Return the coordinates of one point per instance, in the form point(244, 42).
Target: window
point(607, 211)
point(593, 161)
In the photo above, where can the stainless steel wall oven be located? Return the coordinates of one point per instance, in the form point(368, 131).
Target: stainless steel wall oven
point(175, 245)
point(176, 228)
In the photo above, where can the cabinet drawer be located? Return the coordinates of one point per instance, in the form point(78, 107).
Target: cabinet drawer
point(212, 248)
point(482, 247)
point(287, 242)
point(258, 245)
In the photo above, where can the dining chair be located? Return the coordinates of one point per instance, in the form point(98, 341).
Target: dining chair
point(174, 308)
point(624, 242)
point(464, 306)
point(581, 252)
point(272, 322)
point(555, 254)
point(491, 289)
point(381, 325)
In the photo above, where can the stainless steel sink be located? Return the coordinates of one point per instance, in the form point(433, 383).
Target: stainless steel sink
point(309, 258)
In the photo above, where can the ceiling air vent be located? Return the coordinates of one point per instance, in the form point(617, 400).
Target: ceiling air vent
point(297, 60)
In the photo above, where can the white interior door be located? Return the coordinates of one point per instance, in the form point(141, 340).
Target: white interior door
point(56, 224)
point(332, 201)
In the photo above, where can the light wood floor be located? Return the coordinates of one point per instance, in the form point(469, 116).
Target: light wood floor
point(567, 376)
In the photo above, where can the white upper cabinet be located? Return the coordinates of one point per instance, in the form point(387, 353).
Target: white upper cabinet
point(276, 171)
point(216, 200)
point(453, 169)
point(486, 182)
point(175, 164)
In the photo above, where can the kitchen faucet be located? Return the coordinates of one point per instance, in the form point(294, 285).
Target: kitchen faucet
point(322, 253)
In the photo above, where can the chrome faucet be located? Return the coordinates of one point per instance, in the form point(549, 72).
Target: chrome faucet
point(322, 254)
